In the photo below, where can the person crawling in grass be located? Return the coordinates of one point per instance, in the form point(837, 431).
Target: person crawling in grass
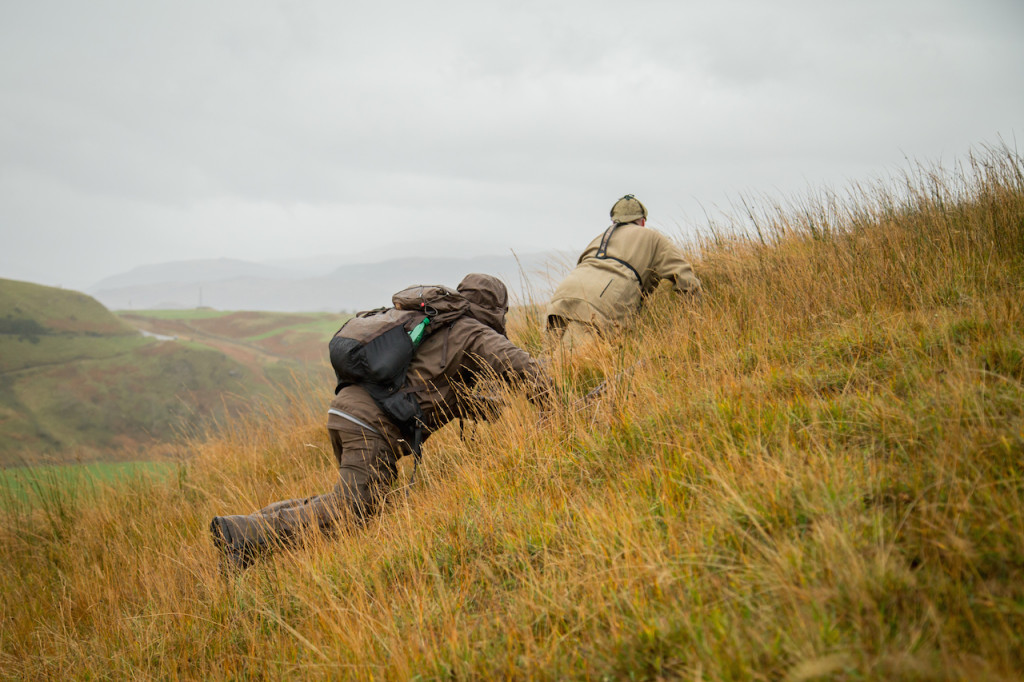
point(403, 372)
point(614, 273)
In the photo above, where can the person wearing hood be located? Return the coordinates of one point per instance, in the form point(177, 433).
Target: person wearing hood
point(614, 274)
point(368, 445)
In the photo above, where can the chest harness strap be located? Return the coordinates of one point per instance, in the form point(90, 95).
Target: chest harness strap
point(602, 253)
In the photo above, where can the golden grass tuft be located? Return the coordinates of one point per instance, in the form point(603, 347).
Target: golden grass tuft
point(815, 473)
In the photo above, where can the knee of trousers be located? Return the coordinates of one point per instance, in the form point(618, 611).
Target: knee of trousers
point(367, 464)
point(360, 491)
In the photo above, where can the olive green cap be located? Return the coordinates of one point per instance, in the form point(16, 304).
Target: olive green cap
point(627, 209)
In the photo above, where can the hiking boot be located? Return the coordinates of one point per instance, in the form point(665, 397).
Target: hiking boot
point(238, 538)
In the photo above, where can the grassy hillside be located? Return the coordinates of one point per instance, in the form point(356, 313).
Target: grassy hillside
point(42, 325)
point(33, 310)
point(271, 336)
point(78, 383)
point(128, 405)
point(813, 474)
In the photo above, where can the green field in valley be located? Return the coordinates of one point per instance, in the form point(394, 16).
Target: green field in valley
point(263, 337)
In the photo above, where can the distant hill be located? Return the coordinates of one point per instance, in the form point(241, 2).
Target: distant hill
point(48, 311)
point(79, 383)
point(230, 286)
point(206, 270)
point(323, 264)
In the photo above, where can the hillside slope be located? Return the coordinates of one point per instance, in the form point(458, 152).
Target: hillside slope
point(31, 310)
point(270, 336)
point(816, 473)
point(77, 383)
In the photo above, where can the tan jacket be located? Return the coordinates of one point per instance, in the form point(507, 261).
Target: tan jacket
point(607, 292)
point(452, 359)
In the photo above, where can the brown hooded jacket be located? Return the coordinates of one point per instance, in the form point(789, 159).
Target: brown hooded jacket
point(450, 361)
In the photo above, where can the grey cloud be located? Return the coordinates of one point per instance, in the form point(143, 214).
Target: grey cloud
point(256, 130)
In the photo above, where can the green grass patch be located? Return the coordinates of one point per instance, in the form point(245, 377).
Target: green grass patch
point(32, 485)
point(318, 324)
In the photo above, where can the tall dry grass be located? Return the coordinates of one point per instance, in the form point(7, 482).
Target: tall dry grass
point(815, 473)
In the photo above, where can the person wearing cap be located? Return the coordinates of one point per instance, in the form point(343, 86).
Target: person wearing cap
point(613, 275)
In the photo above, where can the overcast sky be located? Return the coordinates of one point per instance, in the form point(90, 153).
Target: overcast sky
point(145, 132)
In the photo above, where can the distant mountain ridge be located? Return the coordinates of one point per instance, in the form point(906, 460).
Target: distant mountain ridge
point(206, 270)
point(239, 285)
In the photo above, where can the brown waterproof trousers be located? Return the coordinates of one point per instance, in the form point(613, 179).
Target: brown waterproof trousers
point(571, 335)
point(367, 466)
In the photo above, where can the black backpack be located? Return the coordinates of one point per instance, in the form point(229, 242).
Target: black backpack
point(374, 349)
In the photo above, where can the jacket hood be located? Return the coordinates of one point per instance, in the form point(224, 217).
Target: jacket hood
point(488, 299)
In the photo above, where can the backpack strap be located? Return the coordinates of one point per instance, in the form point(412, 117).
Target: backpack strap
point(602, 253)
